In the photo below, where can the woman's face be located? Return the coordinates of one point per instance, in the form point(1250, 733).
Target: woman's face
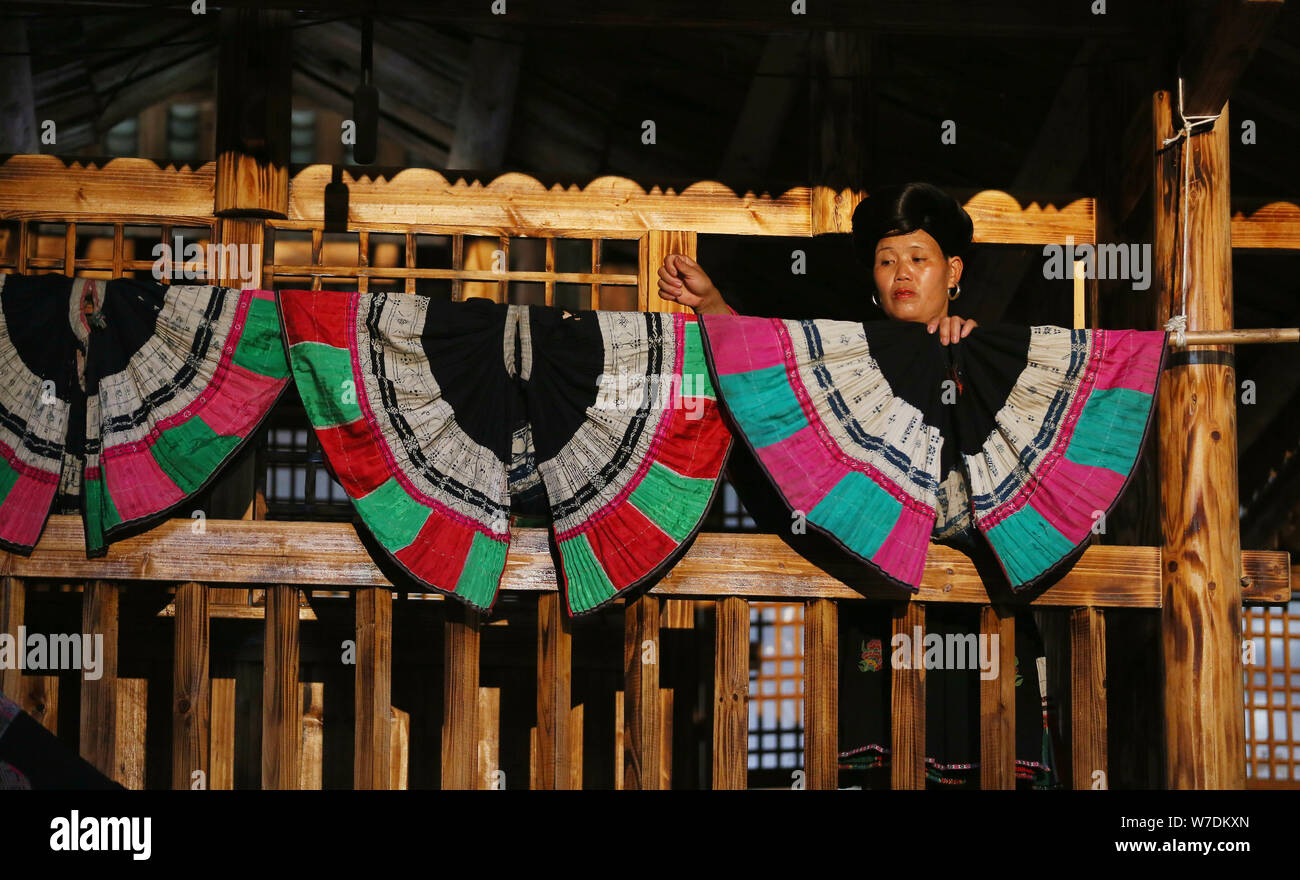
point(912, 277)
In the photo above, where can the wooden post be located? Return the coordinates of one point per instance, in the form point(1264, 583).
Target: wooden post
point(1201, 552)
point(191, 716)
point(99, 697)
point(460, 696)
point(374, 692)
point(642, 726)
point(282, 694)
point(254, 92)
point(13, 595)
point(1088, 723)
point(821, 714)
point(998, 702)
point(907, 708)
point(554, 693)
point(731, 695)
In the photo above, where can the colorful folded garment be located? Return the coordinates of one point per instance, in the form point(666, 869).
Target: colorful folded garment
point(885, 439)
point(442, 419)
point(121, 399)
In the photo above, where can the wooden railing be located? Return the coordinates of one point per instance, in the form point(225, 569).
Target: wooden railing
point(728, 570)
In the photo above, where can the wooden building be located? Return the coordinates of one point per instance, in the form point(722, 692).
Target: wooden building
point(257, 644)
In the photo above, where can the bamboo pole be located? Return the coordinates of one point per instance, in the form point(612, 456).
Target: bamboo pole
point(1241, 337)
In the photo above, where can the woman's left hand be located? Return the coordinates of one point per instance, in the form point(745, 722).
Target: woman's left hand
point(952, 328)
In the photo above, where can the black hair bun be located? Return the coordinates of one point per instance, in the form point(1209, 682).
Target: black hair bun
point(900, 209)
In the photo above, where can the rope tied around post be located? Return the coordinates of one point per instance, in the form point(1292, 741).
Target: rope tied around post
point(1178, 323)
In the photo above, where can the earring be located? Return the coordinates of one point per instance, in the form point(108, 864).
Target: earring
point(953, 296)
point(874, 300)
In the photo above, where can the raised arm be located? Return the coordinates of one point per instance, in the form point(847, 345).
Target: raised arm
point(682, 280)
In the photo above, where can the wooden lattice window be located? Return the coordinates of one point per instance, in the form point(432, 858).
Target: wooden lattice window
point(775, 691)
point(120, 248)
point(1273, 696)
point(572, 273)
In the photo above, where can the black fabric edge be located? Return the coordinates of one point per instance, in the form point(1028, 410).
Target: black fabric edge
point(736, 432)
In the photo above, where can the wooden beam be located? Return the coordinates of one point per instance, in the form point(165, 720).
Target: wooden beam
point(1201, 557)
point(17, 105)
point(956, 18)
point(282, 693)
point(642, 728)
point(752, 566)
point(1052, 161)
point(487, 100)
point(821, 689)
point(731, 695)
point(998, 702)
point(372, 766)
point(191, 700)
point(253, 96)
point(47, 187)
point(907, 707)
point(1220, 50)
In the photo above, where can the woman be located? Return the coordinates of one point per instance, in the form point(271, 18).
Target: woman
point(912, 236)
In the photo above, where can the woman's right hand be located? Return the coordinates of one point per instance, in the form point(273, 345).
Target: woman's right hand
point(682, 280)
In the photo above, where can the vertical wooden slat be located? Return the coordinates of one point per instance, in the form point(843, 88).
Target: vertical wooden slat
point(410, 260)
point(642, 728)
point(311, 772)
point(503, 286)
point(13, 602)
point(24, 245)
point(118, 257)
point(998, 702)
point(489, 736)
point(595, 270)
point(70, 249)
point(317, 245)
point(575, 747)
point(132, 717)
point(731, 695)
point(462, 635)
point(400, 748)
point(131, 698)
point(374, 692)
point(554, 692)
point(222, 749)
point(457, 263)
point(620, 739)
point(99, 697)
point(550, 267)
point(907, 707)
point(1088, 697)
point(363, 261)
point(281, 690)
point(653, 247)
point(821, 716)
point(190, 702)
point(1200, 556)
